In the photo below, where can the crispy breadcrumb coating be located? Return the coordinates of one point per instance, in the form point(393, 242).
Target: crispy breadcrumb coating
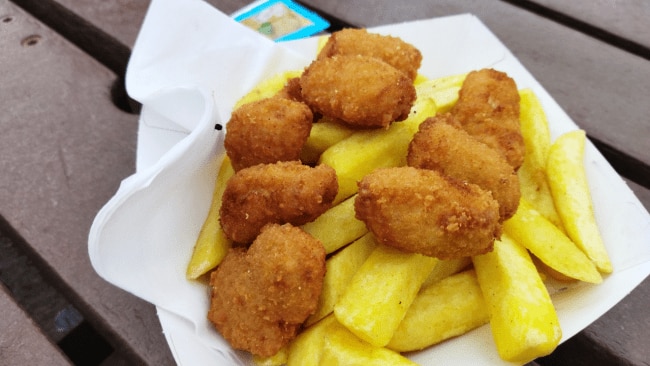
point(362, 91)
point(488, 109)
point(260, 297)
point(422, 211)
point(284, 192)
point(453, 152)
point(267, 131)
point(291, 90)
point(392, 50)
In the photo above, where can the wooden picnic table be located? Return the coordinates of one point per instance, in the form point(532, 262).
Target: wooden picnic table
point(68, 137)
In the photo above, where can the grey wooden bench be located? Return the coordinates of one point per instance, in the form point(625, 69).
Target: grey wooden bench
point(69, 136)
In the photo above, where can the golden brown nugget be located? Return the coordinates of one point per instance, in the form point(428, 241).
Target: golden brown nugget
point(260, 297)
point(284, 192)
point(267, 131)
point(291, 90)
point(453, 152)
point(363, 92)
point(421, 211)
point(488, 109)
point(392, 50)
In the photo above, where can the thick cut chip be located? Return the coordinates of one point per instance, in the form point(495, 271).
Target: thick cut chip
point(340, 269)
point(278, 359)
point(522, 317)
point(364, 151)
point(342, 348)
point(268, 87)
point(325, 133)
point(444, 90)
point(446, 268)
point(381, 292)
point(307, 347)
point(532, 173)
point(212, 244)
point(570, 190)
point(445, 309)
point(337, 226)
point(548, 243)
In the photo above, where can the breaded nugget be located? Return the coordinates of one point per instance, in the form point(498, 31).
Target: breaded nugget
point(392, 50)
point(422, 211)
point(453, 152)
point(488, 109)
point(284, 192)
point(260, 297)
point(291, 90)
point(361, 91)
point(267, 131)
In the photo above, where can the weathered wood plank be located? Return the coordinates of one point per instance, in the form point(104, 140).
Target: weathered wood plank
point(598, 85)
point(625, 19)
point(119, 19)
point(64, 149)
point(21, 341)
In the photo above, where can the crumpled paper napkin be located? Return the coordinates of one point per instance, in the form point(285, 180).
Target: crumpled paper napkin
point(190, 64)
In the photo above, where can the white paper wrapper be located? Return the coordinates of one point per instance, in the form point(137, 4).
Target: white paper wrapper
point(189, 66)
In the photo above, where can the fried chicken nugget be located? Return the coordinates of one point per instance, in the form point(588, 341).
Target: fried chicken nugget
point(488, 109)
point(361, 91)
point(267, 131)
point(422, 211)
point(453, 152)
point(291, 90)
point(392, 50)
point(284, 192)
point(260, 297)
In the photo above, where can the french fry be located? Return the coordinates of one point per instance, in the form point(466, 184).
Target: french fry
point(325, 133)
point(522, 317)
point(570, 189)
point(419, 79)
point(337, 226)
point(381, 292)
point(365, 151)
point(443, 91)
point(212, 244)
point(445, 309)
point(342, 348)
point(446, 268)
point(307, 347)
point(430, 94)
point(268, 87)
point(277, 359)
point(340, 269)
point(532, 173)
point(532, 230)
